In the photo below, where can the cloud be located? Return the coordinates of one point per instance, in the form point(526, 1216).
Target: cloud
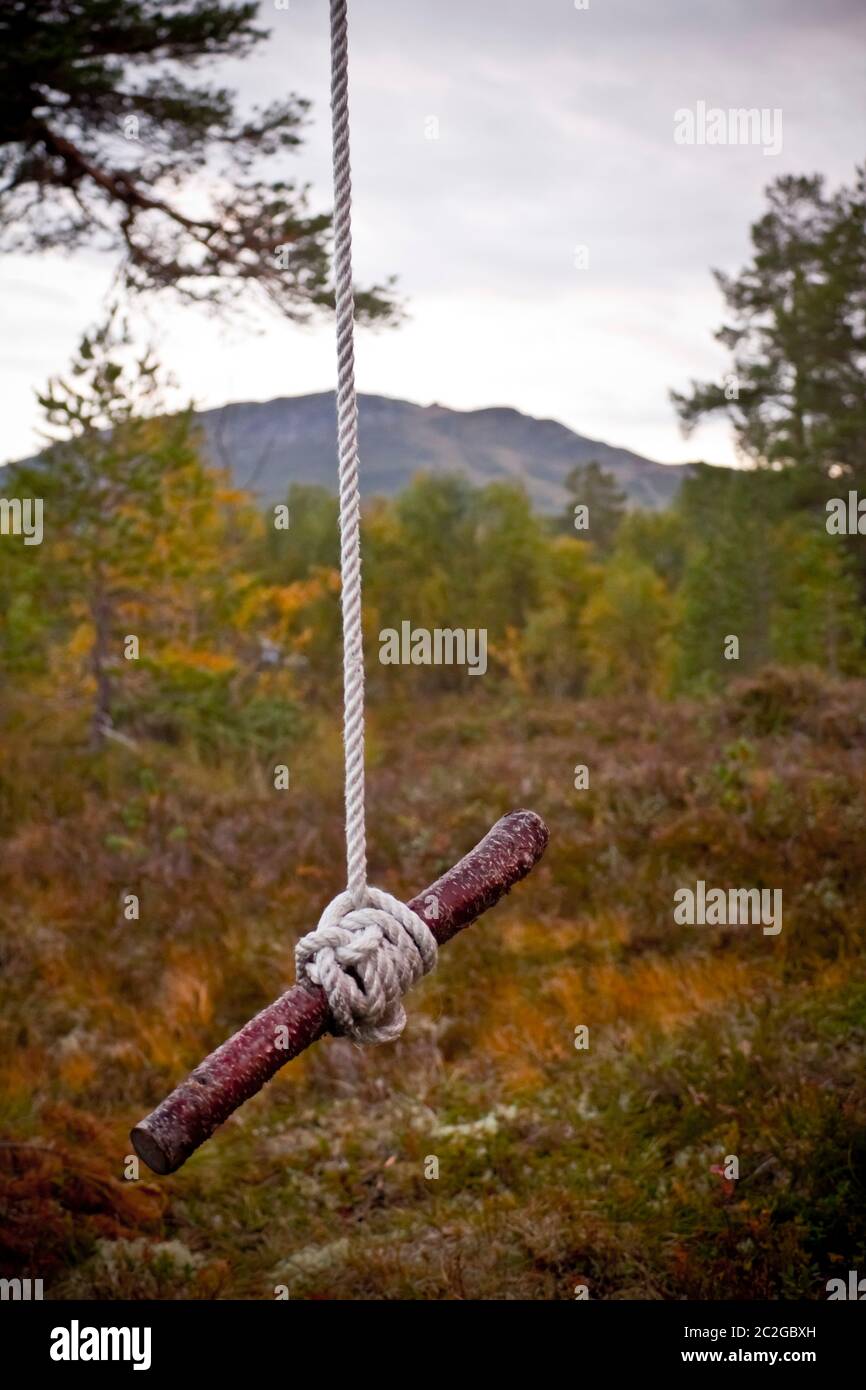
point(555, 129)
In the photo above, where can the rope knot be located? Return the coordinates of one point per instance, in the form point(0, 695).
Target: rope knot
point(365, 959)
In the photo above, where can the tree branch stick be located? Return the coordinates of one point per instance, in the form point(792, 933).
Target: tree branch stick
point(241, 1066)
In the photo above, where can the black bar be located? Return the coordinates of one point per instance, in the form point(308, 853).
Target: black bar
point(286, 1338)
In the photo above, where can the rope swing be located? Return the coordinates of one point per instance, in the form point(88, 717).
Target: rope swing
point(369, 948)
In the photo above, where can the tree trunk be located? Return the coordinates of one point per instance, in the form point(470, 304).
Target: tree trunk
point(100, 613)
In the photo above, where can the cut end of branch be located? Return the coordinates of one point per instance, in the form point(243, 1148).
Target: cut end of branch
point(150, 1151)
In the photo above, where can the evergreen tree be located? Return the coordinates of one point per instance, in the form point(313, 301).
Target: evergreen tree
point(796, 391)
point(817, 617)
point(137, 535)
point(102, 140)
point(590, 487)
point(310, 541)
point(730, 576)
point(657, 539)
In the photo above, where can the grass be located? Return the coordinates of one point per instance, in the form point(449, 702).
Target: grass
point(556, 1166)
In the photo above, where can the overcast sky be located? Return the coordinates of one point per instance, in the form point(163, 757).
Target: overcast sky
point(555, 130)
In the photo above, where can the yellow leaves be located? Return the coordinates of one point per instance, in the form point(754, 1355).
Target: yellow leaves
point(134, 613)
point(509, 652)
point(243, 586)
point(626, 629)
point(69, 661)
point(231, 496)
point(197, 659)
point(293, 598)
point(289, 611)
point(575, 572)
point(81, 640)
point(287, 600)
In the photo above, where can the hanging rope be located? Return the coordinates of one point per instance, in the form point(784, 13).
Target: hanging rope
point(368, 948)
point(347, 450)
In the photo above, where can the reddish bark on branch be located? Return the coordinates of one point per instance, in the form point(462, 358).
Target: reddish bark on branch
point(241, 1066)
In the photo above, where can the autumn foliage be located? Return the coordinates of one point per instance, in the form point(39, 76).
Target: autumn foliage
point(155, 875)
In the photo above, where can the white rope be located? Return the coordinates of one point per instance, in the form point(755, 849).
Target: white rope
point(368, 948)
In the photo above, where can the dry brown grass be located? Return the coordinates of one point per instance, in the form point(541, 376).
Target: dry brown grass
point(556, 1166)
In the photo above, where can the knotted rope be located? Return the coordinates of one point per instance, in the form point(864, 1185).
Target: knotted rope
point(365, 959)
point(368, 948)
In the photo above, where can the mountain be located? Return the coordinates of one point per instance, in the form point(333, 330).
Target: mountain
point(269, 444)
